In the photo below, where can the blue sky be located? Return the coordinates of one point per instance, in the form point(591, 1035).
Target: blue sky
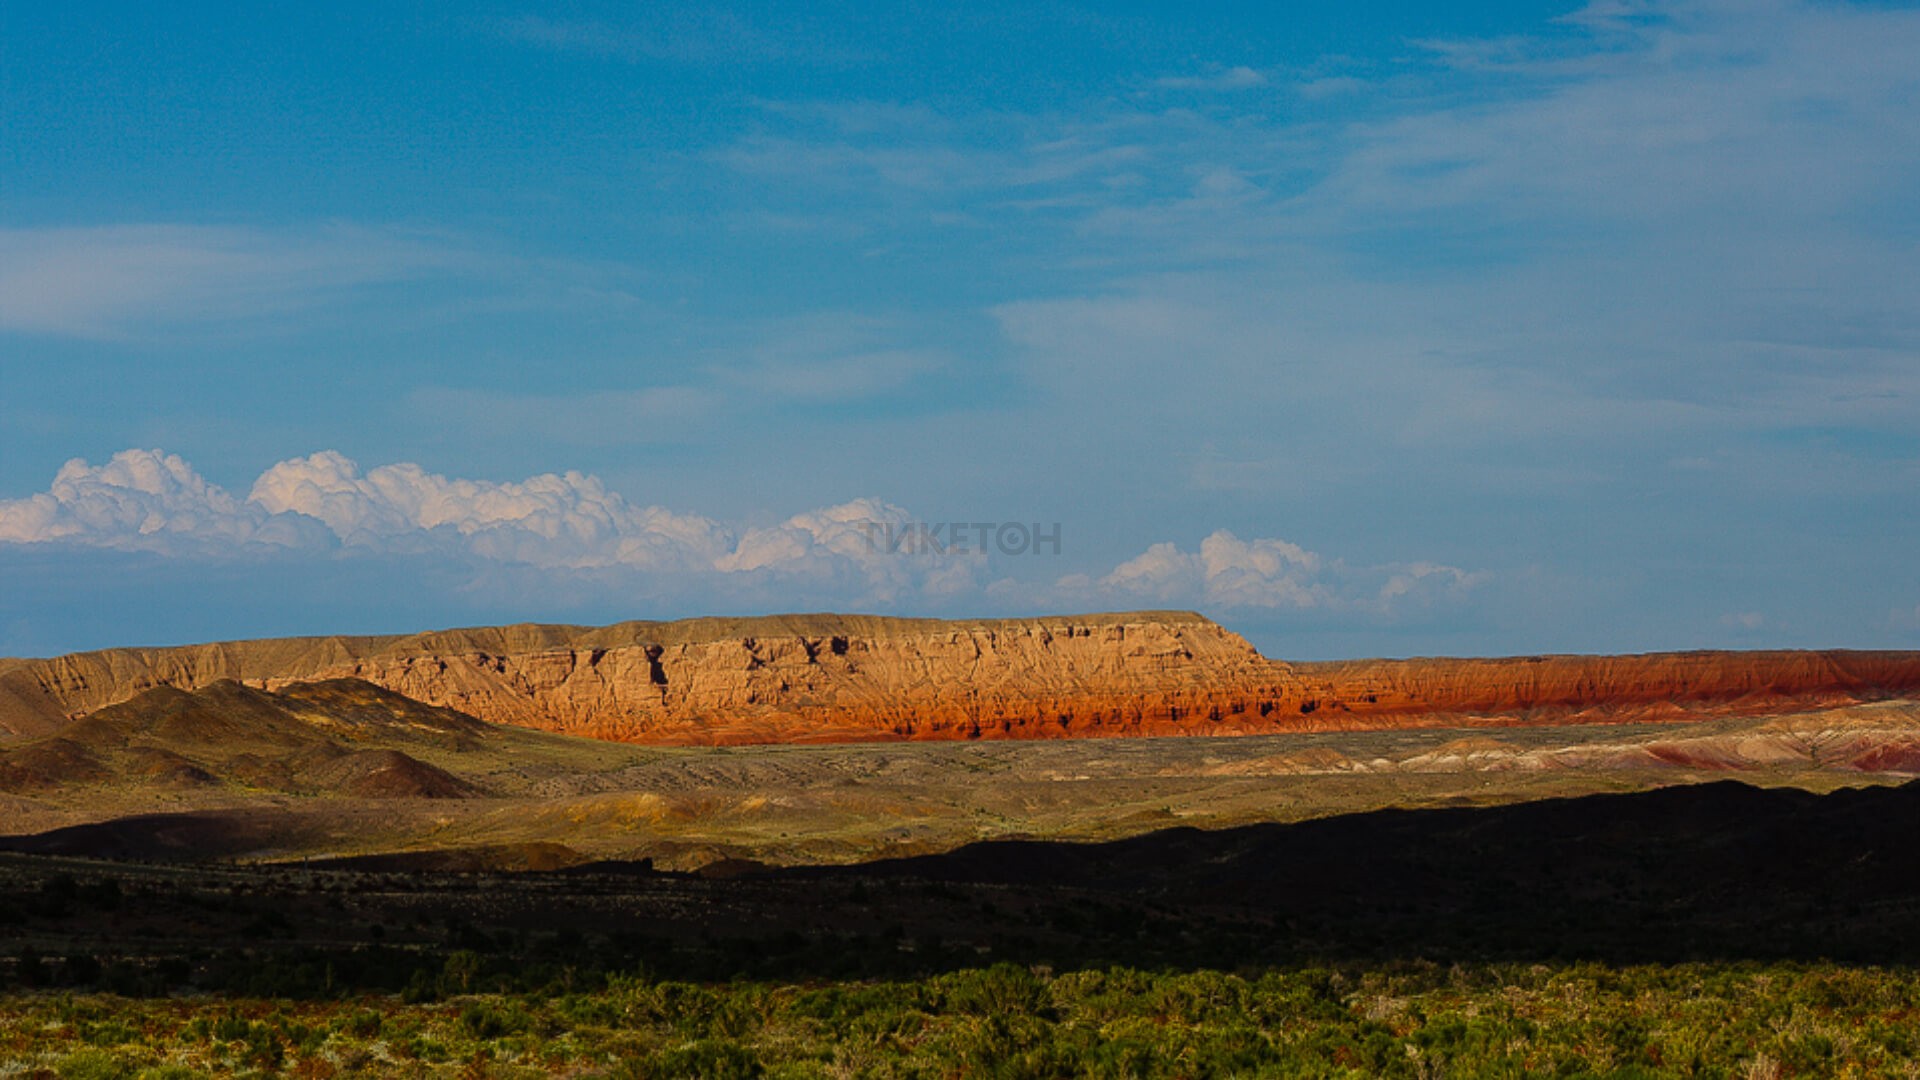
point(1364, 328)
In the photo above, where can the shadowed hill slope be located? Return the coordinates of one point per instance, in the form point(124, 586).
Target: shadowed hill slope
point(836, 678)
point(342, 737)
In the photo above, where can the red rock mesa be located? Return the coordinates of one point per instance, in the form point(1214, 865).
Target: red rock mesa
point(830, 678)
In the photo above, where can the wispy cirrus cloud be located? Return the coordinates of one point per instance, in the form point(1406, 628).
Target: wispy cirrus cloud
point(608, 417)
point(1688, 216)
point(1648, 264)
point(1238, 77)
point(823, 361)
point(702, 34)
point(116, 280)
point(830, 357)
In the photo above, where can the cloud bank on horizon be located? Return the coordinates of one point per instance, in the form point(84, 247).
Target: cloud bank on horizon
point(864, 552)
point(1445, 328)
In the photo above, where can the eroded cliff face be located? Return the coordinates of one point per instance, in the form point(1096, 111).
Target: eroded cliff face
point(787, 678)
point(842, 678)
point(1032, 680)
point(1649, 687)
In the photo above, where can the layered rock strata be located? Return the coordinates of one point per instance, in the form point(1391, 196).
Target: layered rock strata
point(826, 678)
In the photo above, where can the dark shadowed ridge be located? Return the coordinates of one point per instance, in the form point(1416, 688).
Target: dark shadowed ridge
point(1709, 871)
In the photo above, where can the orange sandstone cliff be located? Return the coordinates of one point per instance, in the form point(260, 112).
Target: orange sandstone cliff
point(816, 678)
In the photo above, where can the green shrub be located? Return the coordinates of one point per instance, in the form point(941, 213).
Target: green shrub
point(708, 1059)
point(493, 1020)
point(92, 1065)
point(1001, 990)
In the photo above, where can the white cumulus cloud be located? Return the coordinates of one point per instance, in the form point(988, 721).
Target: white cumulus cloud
point(569, 527)
point(861, 539)
point(143, 499)
point(154, 501)
point(1268, 573)
point(565, 520)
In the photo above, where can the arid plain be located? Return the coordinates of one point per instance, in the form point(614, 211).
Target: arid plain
point(845, 739)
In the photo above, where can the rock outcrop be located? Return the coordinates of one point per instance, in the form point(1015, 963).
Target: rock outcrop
point(823, 678)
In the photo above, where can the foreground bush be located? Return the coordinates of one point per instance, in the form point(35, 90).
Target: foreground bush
point(1006, 1021)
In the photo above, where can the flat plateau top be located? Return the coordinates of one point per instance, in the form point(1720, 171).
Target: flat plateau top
point(529, 637)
